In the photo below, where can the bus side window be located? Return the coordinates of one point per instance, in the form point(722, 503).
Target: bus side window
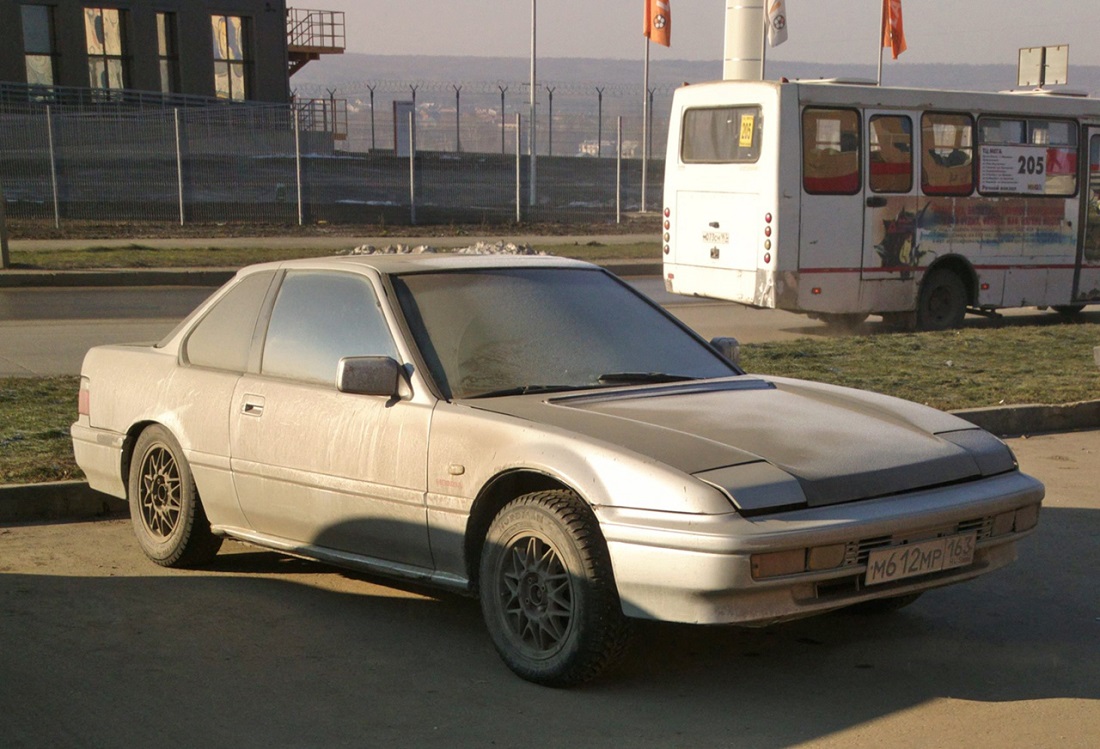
point(830, 151)
point(891, 154)
point(947, 161)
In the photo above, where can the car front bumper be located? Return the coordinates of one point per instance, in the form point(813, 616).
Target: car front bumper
point(698, 568)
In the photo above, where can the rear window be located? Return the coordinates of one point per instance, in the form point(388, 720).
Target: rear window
point(721, 135)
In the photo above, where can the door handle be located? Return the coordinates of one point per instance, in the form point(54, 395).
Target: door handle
point(252, 406)
point(876, 201)
point(714, 224)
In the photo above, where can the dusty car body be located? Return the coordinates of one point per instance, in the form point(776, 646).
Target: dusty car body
point(534, 431)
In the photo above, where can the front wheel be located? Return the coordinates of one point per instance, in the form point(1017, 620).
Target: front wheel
point(547, 591)
point(168, 518)
point(942, 301)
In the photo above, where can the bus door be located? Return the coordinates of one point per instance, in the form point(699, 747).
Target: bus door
point(831, 215)
point(1086, 275)
point(891, 237)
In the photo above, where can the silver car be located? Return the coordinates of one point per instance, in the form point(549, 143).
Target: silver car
point(535, 432)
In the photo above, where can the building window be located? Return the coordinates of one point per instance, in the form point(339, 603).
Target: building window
point(38, 45)
point(231, 60)
point(106, 60)
point(168, 53)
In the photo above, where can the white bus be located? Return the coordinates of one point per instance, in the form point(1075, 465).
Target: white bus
point(842, 200)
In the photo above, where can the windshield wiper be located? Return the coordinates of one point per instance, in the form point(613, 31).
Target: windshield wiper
point(524, 390)
point(641, 378)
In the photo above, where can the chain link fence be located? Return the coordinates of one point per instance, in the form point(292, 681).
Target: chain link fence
point(404, 153)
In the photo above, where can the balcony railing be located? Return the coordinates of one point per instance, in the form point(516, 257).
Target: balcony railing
point(320, 31)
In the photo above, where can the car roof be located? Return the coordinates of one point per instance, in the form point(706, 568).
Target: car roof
point(396, 264)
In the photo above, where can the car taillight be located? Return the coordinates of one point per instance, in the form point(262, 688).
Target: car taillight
point(84, 399)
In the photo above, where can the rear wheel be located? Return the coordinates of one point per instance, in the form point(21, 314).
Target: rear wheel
point(1068, 310)
point(547, 591)
point(942, 302)
point(169, 522)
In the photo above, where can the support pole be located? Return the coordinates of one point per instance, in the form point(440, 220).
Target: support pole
point(532, 197)
point(412, 167)
point(5, 255)
point(179, 162)
point(53, 169)
point(645, 123)
point(619, 174)
point(298, 162)
point(519, 179)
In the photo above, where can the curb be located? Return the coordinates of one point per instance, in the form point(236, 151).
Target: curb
point(58, 500)
point(75, 500)
point(1014, 421)
point(30, 279)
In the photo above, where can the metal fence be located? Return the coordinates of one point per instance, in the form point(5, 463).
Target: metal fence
point(468, 162)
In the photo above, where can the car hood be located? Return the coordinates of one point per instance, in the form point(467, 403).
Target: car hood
point(840, 444)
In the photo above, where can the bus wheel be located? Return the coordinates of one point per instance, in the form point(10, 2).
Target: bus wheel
point(842, 320)
point(942, 301)
point(1068, 310)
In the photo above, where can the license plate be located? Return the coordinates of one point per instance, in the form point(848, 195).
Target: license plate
point(920, 558)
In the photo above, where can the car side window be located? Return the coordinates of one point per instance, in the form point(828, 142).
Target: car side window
point(319, 318)
point(223, 337)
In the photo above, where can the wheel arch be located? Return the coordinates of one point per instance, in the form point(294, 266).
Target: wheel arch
point(128, 445)
point(962, 268)
point(497, 492)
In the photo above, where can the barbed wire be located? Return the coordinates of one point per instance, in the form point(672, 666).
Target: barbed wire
point(562, 88)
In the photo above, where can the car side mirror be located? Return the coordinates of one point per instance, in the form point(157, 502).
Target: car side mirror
point(728, 347)
point(369, 375)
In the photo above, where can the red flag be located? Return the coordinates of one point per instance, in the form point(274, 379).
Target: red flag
point(658, 21)
point(893, 31)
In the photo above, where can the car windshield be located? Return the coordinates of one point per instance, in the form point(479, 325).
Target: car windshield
point(503, 331)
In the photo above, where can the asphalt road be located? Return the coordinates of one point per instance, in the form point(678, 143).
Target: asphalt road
point(47, 331)
point(101, 648)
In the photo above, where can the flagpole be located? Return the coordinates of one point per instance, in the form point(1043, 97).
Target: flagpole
point(881, 36)
point(645, 121)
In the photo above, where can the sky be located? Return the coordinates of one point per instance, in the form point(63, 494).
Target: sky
point(841, 31)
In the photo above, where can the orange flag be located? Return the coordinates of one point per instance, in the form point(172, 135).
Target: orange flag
point(658, 21)
point(893, 31)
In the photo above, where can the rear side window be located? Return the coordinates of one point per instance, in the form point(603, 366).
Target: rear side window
point(721, 135)
point(318, 319)
point(223, 338)
point(947, 159)
point(830, 151)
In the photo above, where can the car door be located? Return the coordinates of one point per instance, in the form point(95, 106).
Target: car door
point(317, 467)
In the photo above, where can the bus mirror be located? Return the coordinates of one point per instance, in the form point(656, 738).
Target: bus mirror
point(728, 347)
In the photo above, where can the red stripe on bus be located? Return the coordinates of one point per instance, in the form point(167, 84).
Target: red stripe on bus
point(910, 268)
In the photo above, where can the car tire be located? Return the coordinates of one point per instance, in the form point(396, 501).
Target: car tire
point(167, 515)
point(942, 302)
point(547, 591)
point(885, 605)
